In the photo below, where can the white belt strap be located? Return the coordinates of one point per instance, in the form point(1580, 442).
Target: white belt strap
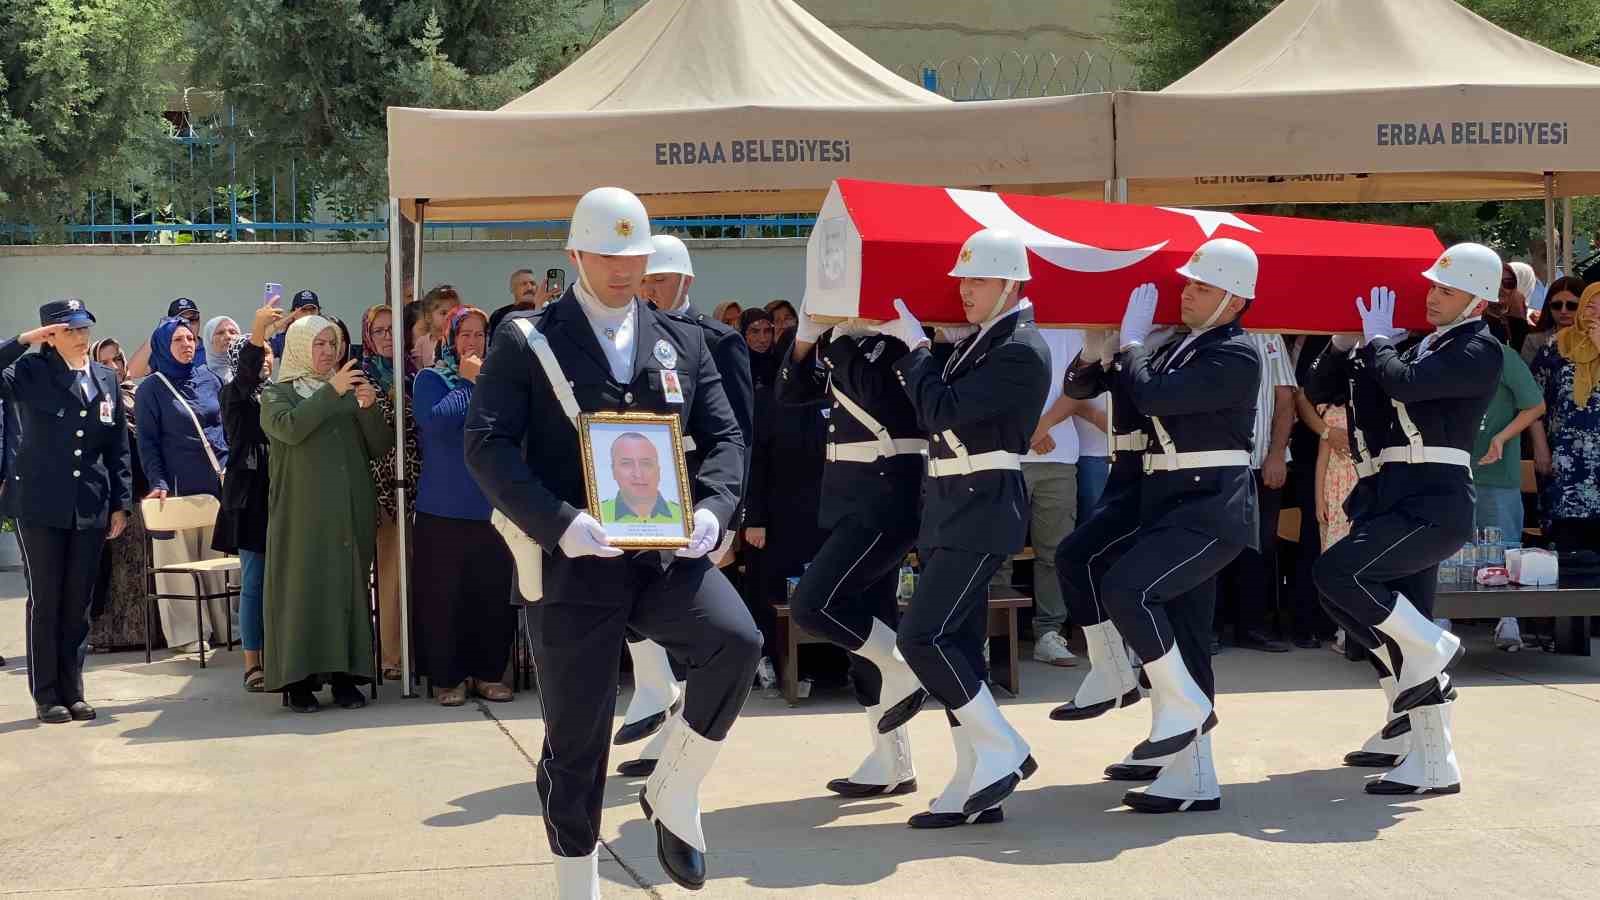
point(967, 464)
point(872, 451)
point(1198, 459)
point(552, 369)
point(1169, 448)
point(1450, 456)
point(885, 440)
point(1409, 428)
point(1133, 441)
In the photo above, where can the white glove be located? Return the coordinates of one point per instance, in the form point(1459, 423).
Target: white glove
point(906, 329)
point(1140, 316)
point(1377, 320)
point(808, 330)
point(1344, 343)
point(953, 334)
point(853, 328)
point(586, 537)
point(704, 538)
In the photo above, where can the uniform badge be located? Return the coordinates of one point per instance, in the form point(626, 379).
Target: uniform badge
point(966, 254)
point(74, 305)
point(666, 355)
point(671, 385)
point(105, 411)
point(624, 228)
point(876, 352)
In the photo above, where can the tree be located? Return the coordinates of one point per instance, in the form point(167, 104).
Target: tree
point(82, 89)
point(310, 80)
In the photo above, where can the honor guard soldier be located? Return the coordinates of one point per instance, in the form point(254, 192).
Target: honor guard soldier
point(1198, 508)
point(871, 490)
point(657, 680)
point(600, 348)
point(1418, 410)
point(978, 412)
point(70, 491)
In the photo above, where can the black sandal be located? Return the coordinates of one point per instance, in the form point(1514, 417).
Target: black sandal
point(255, 681)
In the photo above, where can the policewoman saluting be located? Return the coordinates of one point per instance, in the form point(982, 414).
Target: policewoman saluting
point(70, 490)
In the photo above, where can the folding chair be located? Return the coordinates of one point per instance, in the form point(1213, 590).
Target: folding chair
point(176, 514)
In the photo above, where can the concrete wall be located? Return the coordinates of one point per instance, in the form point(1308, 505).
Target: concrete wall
point(128, 288)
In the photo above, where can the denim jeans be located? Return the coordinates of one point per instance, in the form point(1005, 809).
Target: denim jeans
point(1501, 507)
point(1092, 474)
point(252, 577)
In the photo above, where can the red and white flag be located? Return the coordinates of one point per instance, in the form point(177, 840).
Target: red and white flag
point(876, 241)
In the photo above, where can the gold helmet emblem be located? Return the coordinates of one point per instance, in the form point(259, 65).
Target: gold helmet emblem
point(624, 228)
point(1444, 262)
point(966, 255)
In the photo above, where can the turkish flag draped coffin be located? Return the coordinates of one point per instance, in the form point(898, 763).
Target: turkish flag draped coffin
point(875, 241)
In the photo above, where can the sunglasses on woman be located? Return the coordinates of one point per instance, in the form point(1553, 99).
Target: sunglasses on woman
point(1564, 305)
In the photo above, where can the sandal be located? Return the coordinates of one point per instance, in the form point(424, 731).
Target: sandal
point(493, 691)
point(453, 696)
point(391, 673)
point(255, 681)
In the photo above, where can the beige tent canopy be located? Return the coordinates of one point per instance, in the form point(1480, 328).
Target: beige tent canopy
point(710, 106)
point(1422, 98)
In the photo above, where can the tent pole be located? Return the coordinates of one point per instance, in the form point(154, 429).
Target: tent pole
point(1566, 235)
point(1549, 227)
point(401, 526)
point(397, 313)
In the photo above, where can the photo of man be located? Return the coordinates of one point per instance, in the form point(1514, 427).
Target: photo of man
point(636, 469)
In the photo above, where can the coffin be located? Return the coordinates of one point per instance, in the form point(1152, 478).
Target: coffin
point(876, 241)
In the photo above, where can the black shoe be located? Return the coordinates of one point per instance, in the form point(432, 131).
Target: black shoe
point(347, 695)
point(1148, 749)
point(1257, 640)
point(1216, 647)
point(684, 864)
point(1365, 759)
point(844, 787)
point(1430, 692)
point(637, 768)
point(1149, 803)
point(901, 712)
point(951, 820)
point(638, 731)
point(80, 711)
point(992, 795)
point(53, 713)
point(1071, 712)
point(1387, 788)
point(302, 700)
point(1131, 772)
point(1308, 643)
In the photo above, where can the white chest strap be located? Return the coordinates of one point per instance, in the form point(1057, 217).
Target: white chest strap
point(968, 463)
point(552, 369)
point(883, 447)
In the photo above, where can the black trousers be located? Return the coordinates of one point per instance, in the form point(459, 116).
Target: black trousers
point(1382, 555)
point(851, 581)
point(944, 629)
point(1084, 557)
point(1158, 576)
point(1249, 585)
point(462, 626)
point(1306, 614)
point(62, 567)
point(690, 609)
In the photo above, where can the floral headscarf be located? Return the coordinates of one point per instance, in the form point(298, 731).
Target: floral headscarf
point(234, 348)
point(295, 367)
point(379, 368)
point(448, 365)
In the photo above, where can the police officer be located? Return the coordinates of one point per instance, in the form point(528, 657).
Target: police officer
point(658, 680)
point(1417, 508)
point(978, 412)
point(871, 487)
point(599, 348)
point(70, 491)
point(1198, 507)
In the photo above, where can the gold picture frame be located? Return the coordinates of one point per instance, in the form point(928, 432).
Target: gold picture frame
point(637, 522)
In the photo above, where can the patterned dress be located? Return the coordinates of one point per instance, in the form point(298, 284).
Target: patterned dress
point(1573, 489)
point(1338, 480)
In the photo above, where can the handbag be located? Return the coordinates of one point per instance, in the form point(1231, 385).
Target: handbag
point(204, 441)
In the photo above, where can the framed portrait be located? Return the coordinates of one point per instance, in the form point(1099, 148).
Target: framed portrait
point(636, 478)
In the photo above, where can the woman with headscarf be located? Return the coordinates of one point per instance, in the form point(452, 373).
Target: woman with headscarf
point(465, 622)
point(728, 313)
point(216, 338)
point(324, 429)
point(1568, 371)
point(242, 523)
point(378, 365)
point(1508, 319)
point(183, 449)
point(119, 592)
point(783, 315)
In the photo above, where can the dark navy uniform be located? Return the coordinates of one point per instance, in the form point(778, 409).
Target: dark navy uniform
point(978, 413)
point(1197, 500)
point(871, 487)
point(70, 474)
point(1414, 413)
point(525, 455)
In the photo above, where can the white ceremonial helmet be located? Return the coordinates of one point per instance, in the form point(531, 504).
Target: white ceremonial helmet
point(1224, 263)
point(612, 222)
point(671, 257)
point(992, 253)
point(1473, 268)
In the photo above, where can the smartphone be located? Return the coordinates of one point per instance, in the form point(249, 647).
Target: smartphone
point(555, 280)
point(269, 290)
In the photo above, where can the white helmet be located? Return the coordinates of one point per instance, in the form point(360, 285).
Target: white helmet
point(1224, 263)
point(610, 221)
point(671, 257)
point(992, 253)
point(1473, 268)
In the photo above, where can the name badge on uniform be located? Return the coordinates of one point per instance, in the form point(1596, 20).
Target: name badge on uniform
point(671, 386)
point(105, 410)
point(666, 355)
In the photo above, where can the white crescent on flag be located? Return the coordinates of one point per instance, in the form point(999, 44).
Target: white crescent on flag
point(990, 211)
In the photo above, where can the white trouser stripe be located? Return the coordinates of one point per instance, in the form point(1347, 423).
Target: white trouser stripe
point(946, 624)
point(840, 583)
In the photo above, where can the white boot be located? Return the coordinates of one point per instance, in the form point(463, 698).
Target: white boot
point(1111, 682)
point(1002, 756)
point(902, 695)
point(1382, 752)
point(887, 769)
point(655, 690)
point(1426, 651)
point(578, 877)
point(1430, 767)
point(1187, 784)
point(671, 800)
point(1182, 711)
point(645, 763)
point(946, 809)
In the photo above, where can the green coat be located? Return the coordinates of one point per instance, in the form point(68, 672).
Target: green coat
point(321, 529)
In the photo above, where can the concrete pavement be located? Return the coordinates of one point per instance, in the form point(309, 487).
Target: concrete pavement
point(188, 787)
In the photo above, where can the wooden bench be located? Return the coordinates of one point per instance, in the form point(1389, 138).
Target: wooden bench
point(1004, 668)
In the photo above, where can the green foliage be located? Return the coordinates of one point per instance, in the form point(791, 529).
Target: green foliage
point(82, 88)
